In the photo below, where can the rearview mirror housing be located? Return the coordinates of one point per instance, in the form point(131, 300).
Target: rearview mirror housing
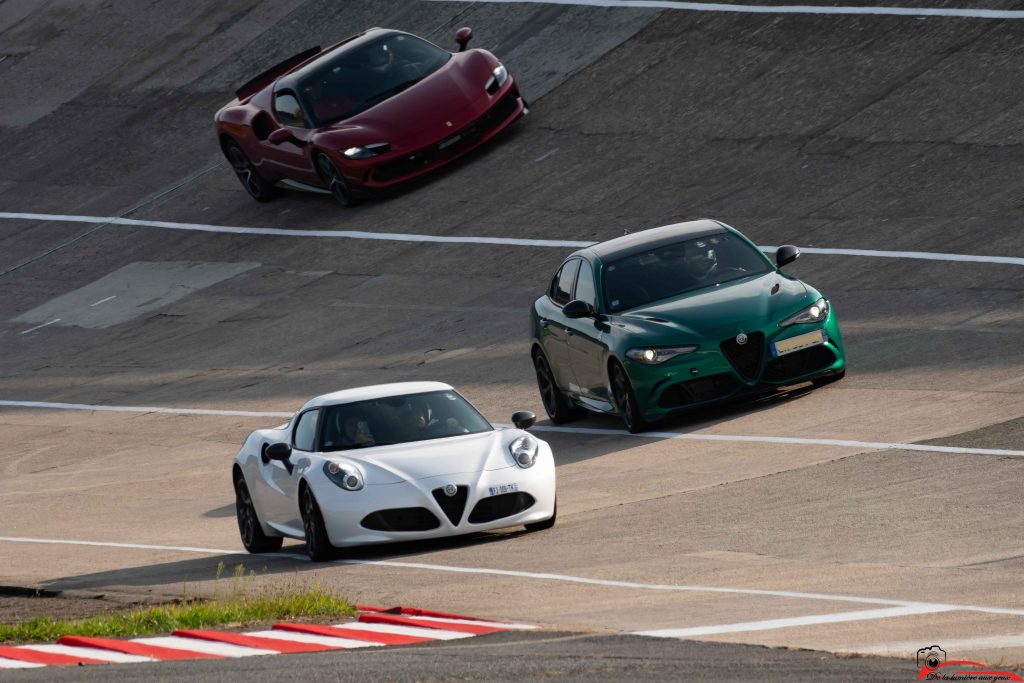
point(278, 451)
point(278, 136)
point(463, 36)
point(787, 253)
point(524, 419)
point(577, 308)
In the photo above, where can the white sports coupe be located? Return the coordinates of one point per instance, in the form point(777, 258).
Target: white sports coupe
point(386, 463)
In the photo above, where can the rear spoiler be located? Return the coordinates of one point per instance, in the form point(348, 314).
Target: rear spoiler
point(254, 85)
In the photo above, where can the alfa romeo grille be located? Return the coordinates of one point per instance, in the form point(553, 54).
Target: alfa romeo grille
point(745, 358)
point(453, 506)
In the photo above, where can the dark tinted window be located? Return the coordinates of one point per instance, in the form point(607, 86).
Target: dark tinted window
point(400, 419)
point(675, 269)
point(585, 284)
point(358, 78)
point(305, 431)
point(561, 286)
point(288, 111)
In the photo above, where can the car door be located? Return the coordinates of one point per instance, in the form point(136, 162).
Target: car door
point(291, 157)
point(553, 335)
point(586, 340)
point(282, 480)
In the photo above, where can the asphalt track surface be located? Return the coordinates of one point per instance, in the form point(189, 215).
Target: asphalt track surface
point(853, 132)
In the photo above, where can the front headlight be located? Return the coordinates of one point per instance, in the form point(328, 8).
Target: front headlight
point(653, 356)
point(366, 151)
point(814, 313)
point(497, 79)
point(524, 451)
point(348, 478)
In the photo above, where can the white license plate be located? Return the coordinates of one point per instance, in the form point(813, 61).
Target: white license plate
point(504, 488)
point(802, 341)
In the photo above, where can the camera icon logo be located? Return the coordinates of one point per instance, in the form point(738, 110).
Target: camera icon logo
point(931, 656)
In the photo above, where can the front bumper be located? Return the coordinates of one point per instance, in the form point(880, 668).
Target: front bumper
point(388, 170)
point(710, 375)
point(347, 514)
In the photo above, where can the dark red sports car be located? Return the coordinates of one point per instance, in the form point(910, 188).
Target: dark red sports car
point(366, 114)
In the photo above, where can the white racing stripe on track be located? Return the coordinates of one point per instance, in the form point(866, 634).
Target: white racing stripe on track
point(1012, 640)
point(15, 664)
point(501, 241)
point(475, 622)
point(399, 630)
point(778, 9)
point(209, 647)
point(297, 637)
point(89, 653)
point(773, 624)
point(788, 440)
point(563, 578)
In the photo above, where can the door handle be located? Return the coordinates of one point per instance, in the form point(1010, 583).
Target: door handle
point(568, 332)
point(544, 322)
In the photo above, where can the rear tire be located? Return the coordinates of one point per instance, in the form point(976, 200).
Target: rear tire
point(257, 186)
point(559, 410)
point(340, 190)
point(625, 400)
point(253, 538)
point(545, 524)
point(318, 544)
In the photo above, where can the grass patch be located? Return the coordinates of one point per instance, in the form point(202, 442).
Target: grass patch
point(242, 604)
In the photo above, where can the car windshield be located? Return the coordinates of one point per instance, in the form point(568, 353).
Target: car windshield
point(673, 269)
point(399, 419)
point(356, 79)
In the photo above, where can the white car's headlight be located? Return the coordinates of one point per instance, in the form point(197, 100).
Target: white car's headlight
point(524, 450)
point(348, 478)
point(497, 79)
point(653, 356)
point(814, 313)
point(366, 151)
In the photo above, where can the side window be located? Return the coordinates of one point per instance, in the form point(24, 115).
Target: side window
point(585, 284)
point(288, 111)
point(304, 437)
point(561, 286)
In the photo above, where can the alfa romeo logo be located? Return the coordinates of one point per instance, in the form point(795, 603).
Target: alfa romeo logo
point(741, 338)
point(450, 490)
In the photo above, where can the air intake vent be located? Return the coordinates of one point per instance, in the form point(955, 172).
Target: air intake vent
point(496, 507)
point(453, 506)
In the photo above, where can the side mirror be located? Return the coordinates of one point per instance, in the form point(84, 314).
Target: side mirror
point(278, 451)
point(524, 419)
point(787, 253)
point(463, 36)
point(577, 308)
point(278, 136)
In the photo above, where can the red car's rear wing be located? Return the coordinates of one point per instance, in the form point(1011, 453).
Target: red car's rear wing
point(254, 85)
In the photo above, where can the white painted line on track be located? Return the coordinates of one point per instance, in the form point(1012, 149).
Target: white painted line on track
point(38, 327)
point(778, 9)
point(397, 629)
point(89, 652)
point(501, 241)
point(738, 438)
point(562, 578)
point(1012, 640)
point(286, 232)
point(209, 647)
point(791, 622)
point(103, 301)
point(140, 409)
point(329, 641)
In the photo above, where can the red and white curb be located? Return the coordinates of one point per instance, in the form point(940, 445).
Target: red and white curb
point(375, 627)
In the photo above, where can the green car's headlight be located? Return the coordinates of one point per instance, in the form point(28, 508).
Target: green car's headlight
point(814, 313)
point(653, 356)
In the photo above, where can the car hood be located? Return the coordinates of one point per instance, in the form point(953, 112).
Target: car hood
point(423, 459)
point(725, 310)
point(441, 103)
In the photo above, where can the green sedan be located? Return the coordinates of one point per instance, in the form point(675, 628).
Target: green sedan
point(669, 319)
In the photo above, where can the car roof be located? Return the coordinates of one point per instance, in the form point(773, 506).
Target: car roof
point(374, 391)
point(290, 81)
point(652, 238)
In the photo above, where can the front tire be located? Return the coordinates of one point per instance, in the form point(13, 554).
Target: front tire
point(545, 524)
point(318, 544)
point(558, 409)
point(340, 190)
point(256, 185)
point(625, 400)
point(253, 538)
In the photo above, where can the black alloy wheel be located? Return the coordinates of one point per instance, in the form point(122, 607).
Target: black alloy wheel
point(253, 538)
point(335, 181)
point(625, 400)
point(558, 409)
point(318, 544)
point(544, 524)
point(258, 187)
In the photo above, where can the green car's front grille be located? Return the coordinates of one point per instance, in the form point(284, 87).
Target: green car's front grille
point(698, 390)
point(799, 363)
point(745, 358)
